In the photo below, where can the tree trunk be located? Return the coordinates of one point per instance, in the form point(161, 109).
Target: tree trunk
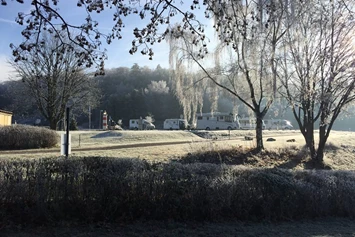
point(322, 140)
point(310, 140)
point(53, 124)
point(259, 134)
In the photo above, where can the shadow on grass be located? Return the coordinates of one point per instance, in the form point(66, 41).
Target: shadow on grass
point(289, 158)
point(226, 156)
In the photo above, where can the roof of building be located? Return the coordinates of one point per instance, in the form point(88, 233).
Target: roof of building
point(5, 112)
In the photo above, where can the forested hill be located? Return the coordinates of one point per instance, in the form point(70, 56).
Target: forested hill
point(124, 93)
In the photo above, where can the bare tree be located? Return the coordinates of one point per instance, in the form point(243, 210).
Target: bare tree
point(53, 76)
point(252, 32)
point(319, 69)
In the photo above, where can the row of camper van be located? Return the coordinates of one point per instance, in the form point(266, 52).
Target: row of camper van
point(229, 121)
point(169, 124)
point(212, 121)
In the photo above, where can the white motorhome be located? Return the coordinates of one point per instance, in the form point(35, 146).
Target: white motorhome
point(140, 124)
point(248, 123)
point(278, 124)
point(176, 124)
point(216, 120)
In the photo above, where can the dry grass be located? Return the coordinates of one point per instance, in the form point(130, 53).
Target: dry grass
point(104, 138)
point(339, 154)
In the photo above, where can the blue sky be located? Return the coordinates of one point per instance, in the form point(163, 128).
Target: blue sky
point(117, 51)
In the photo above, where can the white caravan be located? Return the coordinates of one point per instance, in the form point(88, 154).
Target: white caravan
point(176, 124)
point(248, 123)
point(140, 124)
point(278, 124)
point(216, 120)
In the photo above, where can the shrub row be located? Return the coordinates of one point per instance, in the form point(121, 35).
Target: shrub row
point(107, 189)
point(26, 137)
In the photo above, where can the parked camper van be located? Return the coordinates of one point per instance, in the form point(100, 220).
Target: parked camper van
point(217, 120)
point(176, 124)
point(248, 123)
point(140, 124)
point(278, 124)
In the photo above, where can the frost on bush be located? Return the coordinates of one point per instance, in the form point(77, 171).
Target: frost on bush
point(111, 189)
point(27, 137)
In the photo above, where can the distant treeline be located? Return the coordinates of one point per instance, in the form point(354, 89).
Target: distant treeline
point(125, 93)
point(137, 92)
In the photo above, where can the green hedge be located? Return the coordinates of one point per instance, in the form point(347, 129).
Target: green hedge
point(108, 189)
point(26, 137)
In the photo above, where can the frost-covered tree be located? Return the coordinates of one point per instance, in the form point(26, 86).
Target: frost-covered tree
point(249, 35)
point(158, 87)
point(319, 68)
point(188, 91)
